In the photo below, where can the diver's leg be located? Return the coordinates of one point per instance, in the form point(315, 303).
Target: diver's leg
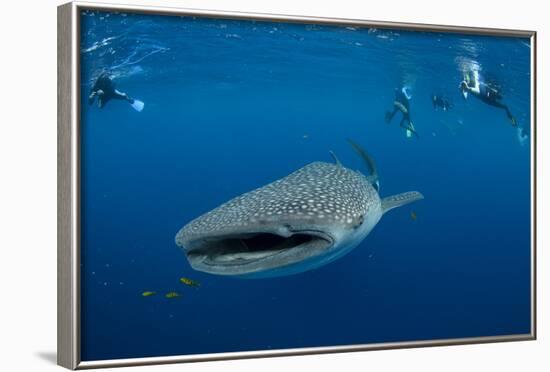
point(408, 126)
point(390, 115)
point(122, 96)
point(505, 108)
point(510, 116)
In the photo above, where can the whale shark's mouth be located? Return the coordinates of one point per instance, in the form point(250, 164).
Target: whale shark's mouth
point(250, 252)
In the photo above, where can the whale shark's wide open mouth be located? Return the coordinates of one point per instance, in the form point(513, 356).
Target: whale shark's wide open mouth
point(249, 252)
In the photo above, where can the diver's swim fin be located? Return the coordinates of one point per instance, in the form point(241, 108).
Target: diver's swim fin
point(410, 130)
point(398, 200)
point(522, 135)
point(137, 105)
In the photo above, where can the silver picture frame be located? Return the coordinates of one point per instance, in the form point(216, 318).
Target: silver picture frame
point(68, 184)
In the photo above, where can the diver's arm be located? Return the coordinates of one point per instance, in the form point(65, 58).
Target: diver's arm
point(475, 89)
point(93, 92)
point(97, 83)
point(91, 97)
point(94, 87)
point(476, 81)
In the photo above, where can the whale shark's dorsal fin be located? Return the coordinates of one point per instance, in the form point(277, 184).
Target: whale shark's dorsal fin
point(366, 157)
point(335, 158)
point(398, 200)
point(373, 177)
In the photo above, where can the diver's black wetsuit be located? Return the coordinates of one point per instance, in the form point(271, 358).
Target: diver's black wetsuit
point(104, 89)
point(490, 96)
point(401, 103)
point(441, 102)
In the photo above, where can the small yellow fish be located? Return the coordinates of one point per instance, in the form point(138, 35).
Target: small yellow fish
point(148, 293)
point(172, 295)
point(190, 282)
point(413, 216)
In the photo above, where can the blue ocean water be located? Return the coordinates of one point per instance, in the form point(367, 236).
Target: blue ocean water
point(232, 105)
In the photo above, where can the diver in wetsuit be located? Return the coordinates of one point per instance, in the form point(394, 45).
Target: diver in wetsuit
point(104, 90)
point(441, 102)
point(401, 103)
point(473, 85)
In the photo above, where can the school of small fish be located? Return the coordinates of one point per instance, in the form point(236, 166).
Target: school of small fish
point(173, 294)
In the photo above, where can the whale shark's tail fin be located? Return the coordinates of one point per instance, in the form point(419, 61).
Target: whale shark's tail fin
point(398, 200)
point(137, 105)
point(373, 177)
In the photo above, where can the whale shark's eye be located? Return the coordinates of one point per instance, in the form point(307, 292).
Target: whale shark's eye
point(360, 221)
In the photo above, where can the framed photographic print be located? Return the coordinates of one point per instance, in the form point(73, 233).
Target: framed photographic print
point(236, 185)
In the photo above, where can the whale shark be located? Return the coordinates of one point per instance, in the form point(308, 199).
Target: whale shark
point(301, 222)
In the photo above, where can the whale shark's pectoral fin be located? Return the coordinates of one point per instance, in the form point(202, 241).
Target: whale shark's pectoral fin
point(335, 158)
point(398, 200)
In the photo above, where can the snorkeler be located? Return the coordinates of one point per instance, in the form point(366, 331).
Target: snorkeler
point(401, 103)
point(441, 102)
point(474, 85)
point(104, 90)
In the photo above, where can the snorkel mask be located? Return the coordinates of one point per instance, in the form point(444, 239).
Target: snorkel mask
point(407, 92)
